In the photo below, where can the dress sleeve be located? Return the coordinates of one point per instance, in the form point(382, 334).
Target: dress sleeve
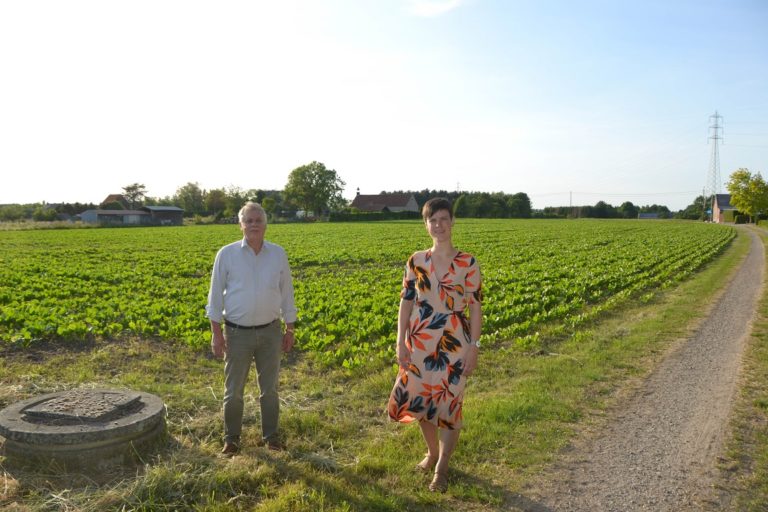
point(409, 281)
point(473, 283)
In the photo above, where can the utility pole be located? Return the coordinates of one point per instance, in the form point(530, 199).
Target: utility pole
point(713, 174)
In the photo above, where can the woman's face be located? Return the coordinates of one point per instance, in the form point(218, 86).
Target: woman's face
point(439, 225)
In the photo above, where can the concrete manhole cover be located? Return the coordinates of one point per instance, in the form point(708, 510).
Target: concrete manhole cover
point(82, 428)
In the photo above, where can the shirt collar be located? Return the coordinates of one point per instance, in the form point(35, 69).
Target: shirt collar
point(244, 244)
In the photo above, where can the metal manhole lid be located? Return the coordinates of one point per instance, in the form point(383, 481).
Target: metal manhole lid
point(83, 405)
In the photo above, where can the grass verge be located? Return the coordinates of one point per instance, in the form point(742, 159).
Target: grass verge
point(745, 464)
point(521, 409)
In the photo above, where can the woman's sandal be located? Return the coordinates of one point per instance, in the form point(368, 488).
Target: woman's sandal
point(426, 464)
point(439, 482)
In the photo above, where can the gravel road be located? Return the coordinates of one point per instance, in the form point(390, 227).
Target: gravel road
point(659, 453)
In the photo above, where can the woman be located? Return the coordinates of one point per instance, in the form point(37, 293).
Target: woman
point(437, 344)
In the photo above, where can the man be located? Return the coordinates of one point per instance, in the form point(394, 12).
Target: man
point(251, 288)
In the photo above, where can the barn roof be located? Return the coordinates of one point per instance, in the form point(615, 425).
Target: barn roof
point(118, 213)
point(380, 201)
point(724, 202)
point(163, 208)
point(116, 198)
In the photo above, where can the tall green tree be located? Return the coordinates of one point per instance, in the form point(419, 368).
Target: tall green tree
point(519, 205)
point(695, 210)
point(135, 193)
point(236, 198)
point(216, 202)
point(270, 205)
point(190, 197)
point(603, 210)
point(628, 210)
point(749, 193)
point(314, 188)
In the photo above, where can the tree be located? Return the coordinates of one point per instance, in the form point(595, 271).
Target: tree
point(314, 188)
point(694, 211)
point(11, 212)
point(659, 209)
point(43, 212)
point(216, 202)
point(627, 210)
point(190, 198)
point(603, 210)
point(270, 205)
point(114, 205)
point(749, 193)
point(135, 193)
point(235, 199)
point(519, 206)
point(461, 206)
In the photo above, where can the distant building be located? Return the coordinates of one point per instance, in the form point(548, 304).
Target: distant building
point(115, 198)
point(722, 211)
point(165, 215)
point(146, 216)
point(385, 203)
point(648, 216)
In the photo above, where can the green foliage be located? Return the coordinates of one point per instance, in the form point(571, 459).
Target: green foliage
point(496, 205)
point(749, 193)
point(216, 202)
point(191, 198)
point(111, 283)
point(603, 210)
point(114, 205)
point(44, 213)
point(627, 210)
point(135, 193)
point(315, 188)
point(695, 210)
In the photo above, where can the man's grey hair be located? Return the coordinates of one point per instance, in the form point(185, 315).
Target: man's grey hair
point(251, 206)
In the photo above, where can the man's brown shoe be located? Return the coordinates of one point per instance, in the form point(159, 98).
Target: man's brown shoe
point(230, 449)
point(273, 444)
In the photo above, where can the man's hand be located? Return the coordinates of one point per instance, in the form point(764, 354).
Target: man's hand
point(218, 345)
point(288, 341)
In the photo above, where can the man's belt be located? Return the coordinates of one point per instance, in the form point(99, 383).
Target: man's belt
point(247, 327)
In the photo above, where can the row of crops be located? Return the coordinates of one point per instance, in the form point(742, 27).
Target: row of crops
point(153, 282)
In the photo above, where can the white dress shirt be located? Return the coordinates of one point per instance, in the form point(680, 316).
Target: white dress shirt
point(251, 289)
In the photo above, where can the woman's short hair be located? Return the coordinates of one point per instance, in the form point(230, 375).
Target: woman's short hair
point(251, 206)
point(434, 205)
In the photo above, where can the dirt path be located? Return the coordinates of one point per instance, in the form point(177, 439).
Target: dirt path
point(659, 453)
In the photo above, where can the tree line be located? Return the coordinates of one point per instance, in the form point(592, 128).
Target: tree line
point(313, 190)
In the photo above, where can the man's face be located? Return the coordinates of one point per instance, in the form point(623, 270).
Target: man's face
point(253, 225)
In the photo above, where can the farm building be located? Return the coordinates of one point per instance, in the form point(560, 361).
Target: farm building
point(385, 203)
point(115, 198)
point(165, 215)
point(146, 216)
point(722, 211)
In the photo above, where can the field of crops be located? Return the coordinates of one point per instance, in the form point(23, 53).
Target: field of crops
point(152, 282)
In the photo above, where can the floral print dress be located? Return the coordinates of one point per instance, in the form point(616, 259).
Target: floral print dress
point(432, 387)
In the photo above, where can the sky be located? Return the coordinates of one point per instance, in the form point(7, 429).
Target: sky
point(569, 101)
